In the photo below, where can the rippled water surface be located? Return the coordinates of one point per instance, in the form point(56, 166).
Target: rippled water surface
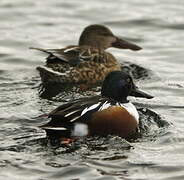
point(156, 25)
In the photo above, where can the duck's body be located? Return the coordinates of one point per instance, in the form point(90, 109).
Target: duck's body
point(88, 62)
point(110, 113)
point(98, 116)
point(81, 65)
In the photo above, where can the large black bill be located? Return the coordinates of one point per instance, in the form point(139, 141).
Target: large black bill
point(137, 93)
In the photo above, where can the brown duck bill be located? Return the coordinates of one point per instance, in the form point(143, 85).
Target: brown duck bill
point(122, 44)
point(138, 93)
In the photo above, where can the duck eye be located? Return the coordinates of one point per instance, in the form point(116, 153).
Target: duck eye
point(129, 80)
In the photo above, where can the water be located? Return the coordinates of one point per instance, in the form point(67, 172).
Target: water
point(155, 25)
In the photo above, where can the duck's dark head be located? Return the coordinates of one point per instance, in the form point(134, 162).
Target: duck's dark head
point(99, 36)
point(118, 85)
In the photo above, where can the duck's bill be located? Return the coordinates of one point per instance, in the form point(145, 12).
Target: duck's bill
point(122, 44)
point(138, 93)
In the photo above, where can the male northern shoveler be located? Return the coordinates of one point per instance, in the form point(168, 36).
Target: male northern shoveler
point(86, 63)
point(110, 113)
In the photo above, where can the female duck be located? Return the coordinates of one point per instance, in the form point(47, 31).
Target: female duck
point(86, 63)
point(110, 113)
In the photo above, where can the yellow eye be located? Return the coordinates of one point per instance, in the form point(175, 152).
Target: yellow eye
point(128, 80)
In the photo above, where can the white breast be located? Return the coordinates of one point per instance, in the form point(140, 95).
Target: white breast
point(131, 109)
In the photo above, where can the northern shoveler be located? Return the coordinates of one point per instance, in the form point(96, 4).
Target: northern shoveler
point(108, 114)
point(86, 63)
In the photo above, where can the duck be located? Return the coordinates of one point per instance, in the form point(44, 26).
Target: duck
point(86, 63)
point(110, 113)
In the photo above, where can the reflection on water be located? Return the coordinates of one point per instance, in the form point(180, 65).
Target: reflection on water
point(155, 25)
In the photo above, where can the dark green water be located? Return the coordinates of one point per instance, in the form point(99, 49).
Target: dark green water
point(157, 26)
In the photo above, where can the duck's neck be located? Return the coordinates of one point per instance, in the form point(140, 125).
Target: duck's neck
point(123, 101)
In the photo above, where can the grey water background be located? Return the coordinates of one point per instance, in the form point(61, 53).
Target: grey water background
point(155, 25)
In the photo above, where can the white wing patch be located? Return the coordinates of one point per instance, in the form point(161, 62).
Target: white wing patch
point(89, 108)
